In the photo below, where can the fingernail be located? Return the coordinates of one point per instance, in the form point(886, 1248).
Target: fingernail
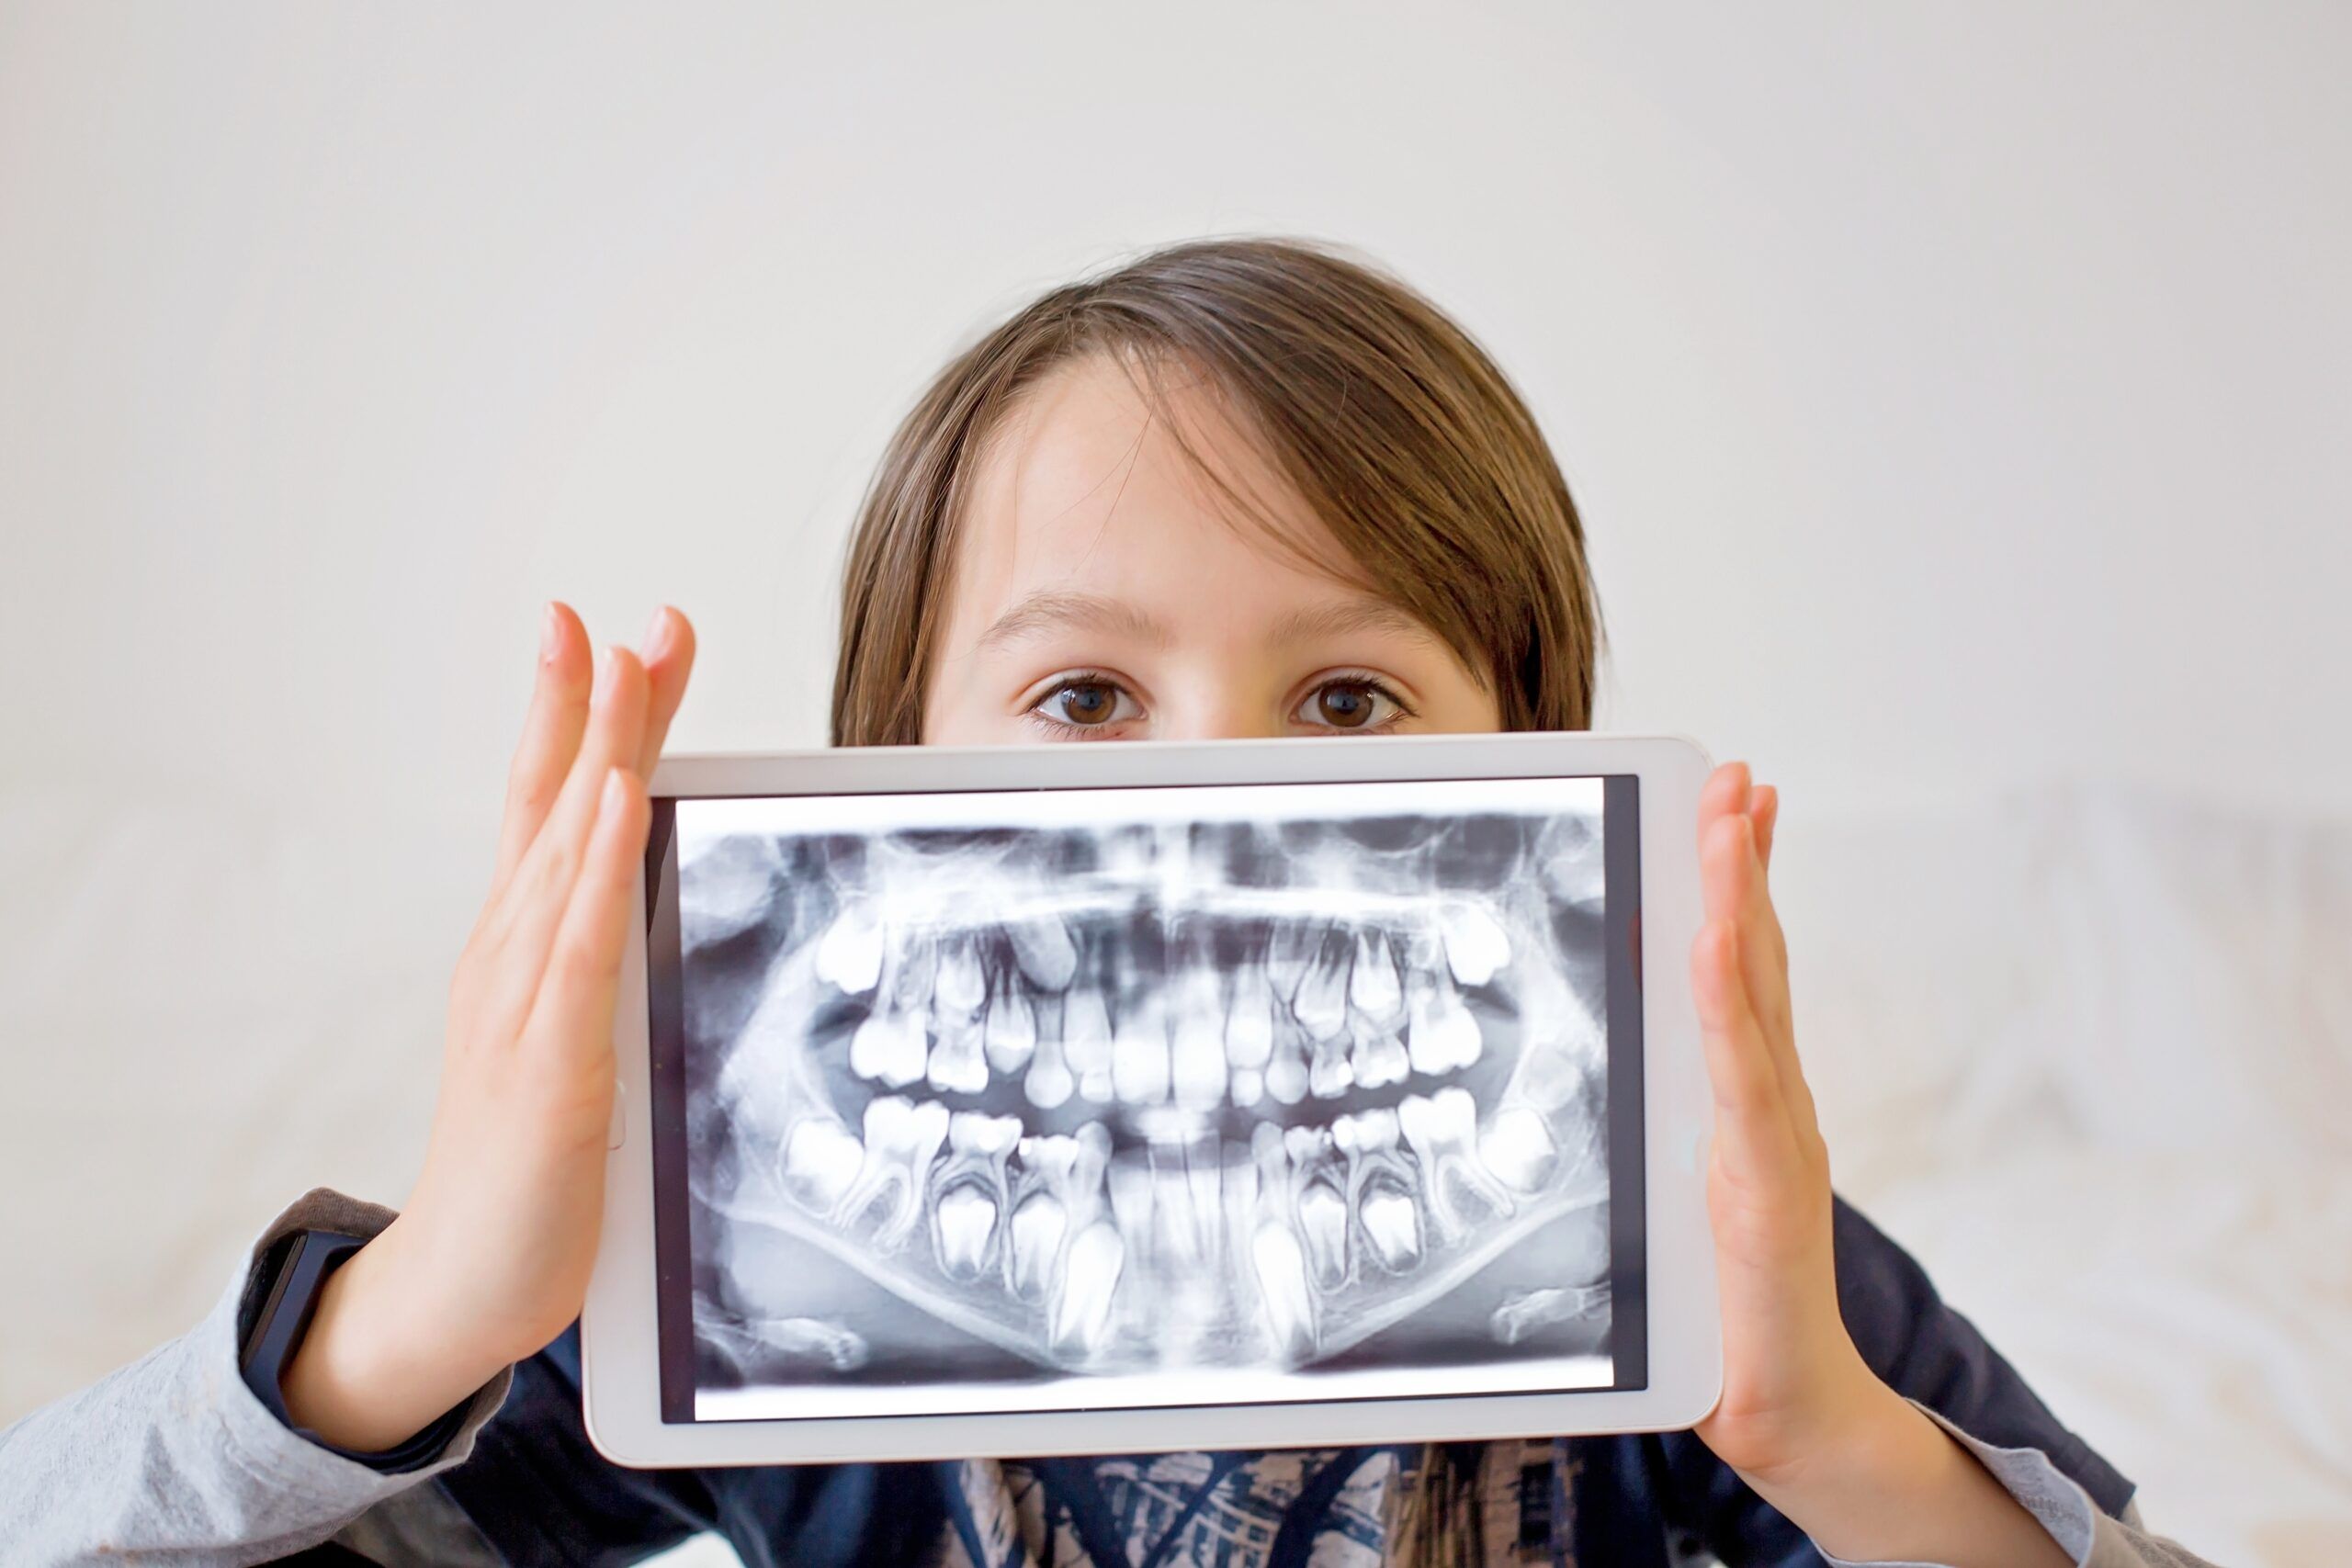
point(550, 632)
point(657, 633)
point(615, 791)
point(605, 663)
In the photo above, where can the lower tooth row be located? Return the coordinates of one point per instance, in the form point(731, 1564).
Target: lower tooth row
point(1060, 1221)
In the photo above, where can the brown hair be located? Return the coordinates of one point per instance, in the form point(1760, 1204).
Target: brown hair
point(1397, 429)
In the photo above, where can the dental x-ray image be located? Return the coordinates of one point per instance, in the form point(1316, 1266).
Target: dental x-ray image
point(1031, 1099)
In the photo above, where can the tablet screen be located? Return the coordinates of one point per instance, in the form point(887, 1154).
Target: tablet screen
point(1036, 1100)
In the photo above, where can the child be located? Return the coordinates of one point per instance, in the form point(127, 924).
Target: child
point(1235, 489)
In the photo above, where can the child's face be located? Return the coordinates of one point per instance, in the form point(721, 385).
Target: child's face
point(1103, 593)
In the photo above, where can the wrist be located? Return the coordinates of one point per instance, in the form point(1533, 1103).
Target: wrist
point(1892, 1486)
point(376, 1365)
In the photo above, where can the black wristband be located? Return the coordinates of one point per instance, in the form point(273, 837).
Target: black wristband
point(295, 1270)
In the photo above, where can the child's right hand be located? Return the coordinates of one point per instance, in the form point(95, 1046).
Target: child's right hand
point(490, 1260)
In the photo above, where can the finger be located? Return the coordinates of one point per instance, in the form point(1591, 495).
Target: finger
point(524, 925)
point(1764, 810)
point(550, 737)
point(669, 653)
point(1724, 793)
point(1754, 1138)
point(1764, 962)
point(572, 1015)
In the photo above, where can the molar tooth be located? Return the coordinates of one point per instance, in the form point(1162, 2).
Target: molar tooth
point(902, 1137)
point(1477, 947)
point(1038, 1225)
point(1139, 1054)
point(1072, 1167)
point(1009, 1034)
point(1042, 946)
point(1372, 985)
point(1527, 1311)
point(1082, 1311)
point(821, 1157)
point(1379, 1058)
point(888, 1046)
point(1330, 1074)
point(849, 954)
point(956, 1064)
point(1444, 1130)
point(963, 1225)
point(1283, 1290)
point(1518, 1147)
point(1086, 1042)
point(1393, 1225)
point(977, 1133)
point(1445, 1034)
point(1321, 1003)
point(1323, 1221)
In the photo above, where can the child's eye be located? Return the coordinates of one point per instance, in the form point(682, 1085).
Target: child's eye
point(1087, 702)
point(1349, 702)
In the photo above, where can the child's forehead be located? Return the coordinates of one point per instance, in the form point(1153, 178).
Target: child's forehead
point(1095, 483)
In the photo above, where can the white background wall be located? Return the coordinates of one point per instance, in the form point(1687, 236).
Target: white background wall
point(1958, 397)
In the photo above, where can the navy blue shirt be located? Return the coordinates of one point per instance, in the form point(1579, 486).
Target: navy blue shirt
point(541, 1494)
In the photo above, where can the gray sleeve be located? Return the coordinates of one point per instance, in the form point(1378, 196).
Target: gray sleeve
point(172, 1461)
point(2091, 1538)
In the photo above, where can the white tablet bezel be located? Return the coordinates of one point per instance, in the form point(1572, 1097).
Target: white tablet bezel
point(620, 1360)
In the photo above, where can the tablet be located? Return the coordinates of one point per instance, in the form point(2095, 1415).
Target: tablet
point(1150, 1097)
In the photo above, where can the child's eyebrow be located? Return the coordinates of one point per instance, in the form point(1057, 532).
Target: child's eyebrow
point(1051, 610)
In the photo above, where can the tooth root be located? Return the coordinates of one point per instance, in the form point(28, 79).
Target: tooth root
point(1009, 1034)
point(1038, 1225)
point(1442, 1130)
point(1197, 1058)
point(1205, 1174)
point(1529, 1312)
point(1392, 1223)
point(1176, 1233)
point(914, 976)
point(962, 984)
point(957, 1065)
point(1372, 985)
point(850, 954)
point(1330, 1074)
point(1250, 1026)
point(1321, 1004)
point(821, 1157)
point(1081, 1313)
point(1323, 1223)
point(1131, 1200)
point(1477, 947)
point(888, 1046)
point(1519, 1149)
point(1043, 948)
point(1379, 1060)
point(1140, 1067)
point(964, 1228)
point(1283, 1290)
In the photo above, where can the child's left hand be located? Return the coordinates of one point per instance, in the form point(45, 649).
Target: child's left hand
point(1794, 1386)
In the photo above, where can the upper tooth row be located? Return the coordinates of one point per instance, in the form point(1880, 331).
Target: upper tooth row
point(1329, 1008)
